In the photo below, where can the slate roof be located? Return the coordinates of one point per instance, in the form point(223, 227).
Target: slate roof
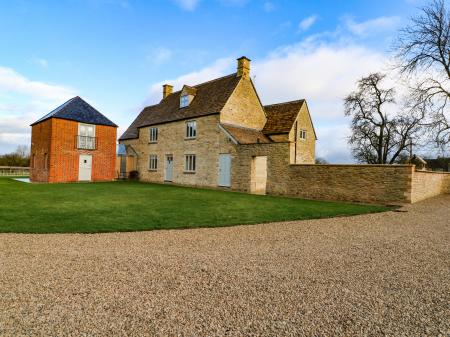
point(439, 164)
point(77, 109)
point(245, 135)
point(281, 116)
point(210, 98)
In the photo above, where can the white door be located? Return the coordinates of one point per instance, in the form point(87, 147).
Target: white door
point(169, 167)
point(259, 175)
point(225, 170)
point(85, 168)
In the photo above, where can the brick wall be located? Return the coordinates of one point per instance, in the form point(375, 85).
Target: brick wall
point(429, 184)
point(40, 146)
point(63, 160)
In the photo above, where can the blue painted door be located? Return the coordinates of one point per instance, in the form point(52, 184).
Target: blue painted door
point(225, 170)
point(169, 168)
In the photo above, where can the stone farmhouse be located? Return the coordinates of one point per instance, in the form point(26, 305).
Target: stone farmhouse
point(73, 143)
point(217, 134)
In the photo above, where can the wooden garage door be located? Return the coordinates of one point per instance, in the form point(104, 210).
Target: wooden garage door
point(259, 175)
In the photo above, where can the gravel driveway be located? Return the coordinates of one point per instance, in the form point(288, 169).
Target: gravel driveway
point(378, 274)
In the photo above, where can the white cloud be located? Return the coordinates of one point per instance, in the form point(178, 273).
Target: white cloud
point(377, 25)
point(12, 81)
point(188, 5)
point(332, 143)
point(321, 73)
point(306, 23)
point(22, 102)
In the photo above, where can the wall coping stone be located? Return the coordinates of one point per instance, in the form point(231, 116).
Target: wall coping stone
point(357, 165)
point(432, 172)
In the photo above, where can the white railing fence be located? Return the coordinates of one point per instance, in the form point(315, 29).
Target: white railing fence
point(14, 171)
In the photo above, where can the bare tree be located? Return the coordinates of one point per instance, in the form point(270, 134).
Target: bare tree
point(23, 151)
point(380, 136)
point(423, 50)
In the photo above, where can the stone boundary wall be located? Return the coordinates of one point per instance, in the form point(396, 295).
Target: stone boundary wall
point(426, 184)
point(382, 184)
point(379, 184)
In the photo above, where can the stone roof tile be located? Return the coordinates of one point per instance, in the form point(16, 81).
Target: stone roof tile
point(210, 98)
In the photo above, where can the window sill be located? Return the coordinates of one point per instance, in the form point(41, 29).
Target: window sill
point(189, 172)
point(152, 170)
point(190, 138)
point(153, 142)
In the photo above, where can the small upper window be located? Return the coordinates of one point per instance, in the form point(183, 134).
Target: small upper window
point(191, 129)
point(153, 135)
point(302, 134)
point(184, 101)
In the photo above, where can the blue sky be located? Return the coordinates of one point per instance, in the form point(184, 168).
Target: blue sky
point(117, 53)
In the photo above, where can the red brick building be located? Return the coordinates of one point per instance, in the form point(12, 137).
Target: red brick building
point(74, 142)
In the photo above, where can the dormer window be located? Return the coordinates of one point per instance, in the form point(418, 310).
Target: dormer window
point(187, 95)
point(184, 101)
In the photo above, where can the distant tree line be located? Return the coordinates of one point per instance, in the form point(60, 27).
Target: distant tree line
point(386, 128)
point(20, 157)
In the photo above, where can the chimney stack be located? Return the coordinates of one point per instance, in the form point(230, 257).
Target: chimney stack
point(243, 68)
point(167, 90)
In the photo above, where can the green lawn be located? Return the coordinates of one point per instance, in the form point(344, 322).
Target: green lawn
point(133, 206)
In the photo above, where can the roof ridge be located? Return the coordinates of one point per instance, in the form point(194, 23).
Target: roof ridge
point(203, 83)
point(151, 106)
point(288, 102)
point(215, 79)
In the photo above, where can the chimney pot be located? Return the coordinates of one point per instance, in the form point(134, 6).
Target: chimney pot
point(243, 67)
point(167, 90)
